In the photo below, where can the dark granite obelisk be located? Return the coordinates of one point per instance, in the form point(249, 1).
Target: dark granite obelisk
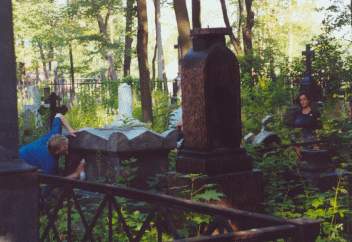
point(212, 129)
point(18, 181)
point(211, 107)
point(210, 82)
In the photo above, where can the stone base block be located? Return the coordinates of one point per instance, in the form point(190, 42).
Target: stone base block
point(213, 162)
point(325, 180)
point(243, 190)
point(19, 200)
point(135, 169)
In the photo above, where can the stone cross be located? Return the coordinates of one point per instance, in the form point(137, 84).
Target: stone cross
point(307, 84)
point(309, 54)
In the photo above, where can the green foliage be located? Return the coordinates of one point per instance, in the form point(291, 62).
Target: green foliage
point(290, 196)
point(329, 64)
point(269, 80)
point(161, 110)
point(87, 112)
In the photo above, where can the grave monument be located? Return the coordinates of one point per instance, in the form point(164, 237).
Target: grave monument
point(124, 117)
point(126, 138)
point(18, 181)
point(212, 119)
point(34, 106)
point(307, 84)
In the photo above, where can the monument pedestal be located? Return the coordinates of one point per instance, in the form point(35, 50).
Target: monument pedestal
point(317, 167)
point(19, 201)
point(214, 162)
point(231, 171)
point(243, 189)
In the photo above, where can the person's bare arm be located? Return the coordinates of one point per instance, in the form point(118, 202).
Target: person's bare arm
point(67, 126)
point(77, 172)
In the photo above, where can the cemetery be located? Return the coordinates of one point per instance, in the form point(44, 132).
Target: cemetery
point(176, 120)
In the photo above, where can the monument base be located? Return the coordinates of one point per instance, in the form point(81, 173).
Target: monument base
point(220, 161)
point(325, 180)
point(19, 201)
point(243, 190)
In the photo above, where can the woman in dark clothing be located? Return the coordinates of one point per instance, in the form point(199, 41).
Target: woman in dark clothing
point(306, 118)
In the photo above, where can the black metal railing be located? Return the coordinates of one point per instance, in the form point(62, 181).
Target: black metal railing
point(161, 216)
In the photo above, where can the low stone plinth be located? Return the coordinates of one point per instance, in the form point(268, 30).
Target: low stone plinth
point(19, 193)
point(106, 149)
point(318, 168)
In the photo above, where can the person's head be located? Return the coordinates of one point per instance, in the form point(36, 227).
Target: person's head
point(304, 100)
point(62, 109)
point(58, 145)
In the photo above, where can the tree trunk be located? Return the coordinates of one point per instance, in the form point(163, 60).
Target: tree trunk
point(240, 17)
point(42, 56)
point(290, 36)
point(50, 57)
point(183, 26)
point(153, 66)
point(159, 43)
point(103, 28)
point(142, 52)
point(72, 71)
point(112, 71)
point(247, 28)
point(235, 41)
point(37, 78)
point(128, 38)
point(196, 14)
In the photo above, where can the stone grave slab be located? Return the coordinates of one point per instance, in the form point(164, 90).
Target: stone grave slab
point(105, 148)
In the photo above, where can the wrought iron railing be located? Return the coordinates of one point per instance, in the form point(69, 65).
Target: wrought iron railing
point(163, 217)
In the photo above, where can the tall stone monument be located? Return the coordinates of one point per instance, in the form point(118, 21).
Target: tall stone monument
point(18, 181)
point(212, 118)
point(211, 107)
point(308, 84)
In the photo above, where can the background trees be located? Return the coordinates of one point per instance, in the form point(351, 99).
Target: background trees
point(114, 41)
point(89, 39)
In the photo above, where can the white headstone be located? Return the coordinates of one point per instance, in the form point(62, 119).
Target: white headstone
point(34, 104)
point(124, 117)
point(125, 100)
point(174, 118)
point(35, 96)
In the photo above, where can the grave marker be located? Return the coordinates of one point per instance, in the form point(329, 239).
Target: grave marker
point(125, 109)
point(18, 181)
point(307, 84)
point(212, 120)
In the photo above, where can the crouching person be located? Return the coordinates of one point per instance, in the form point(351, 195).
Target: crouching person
point(45, 152)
